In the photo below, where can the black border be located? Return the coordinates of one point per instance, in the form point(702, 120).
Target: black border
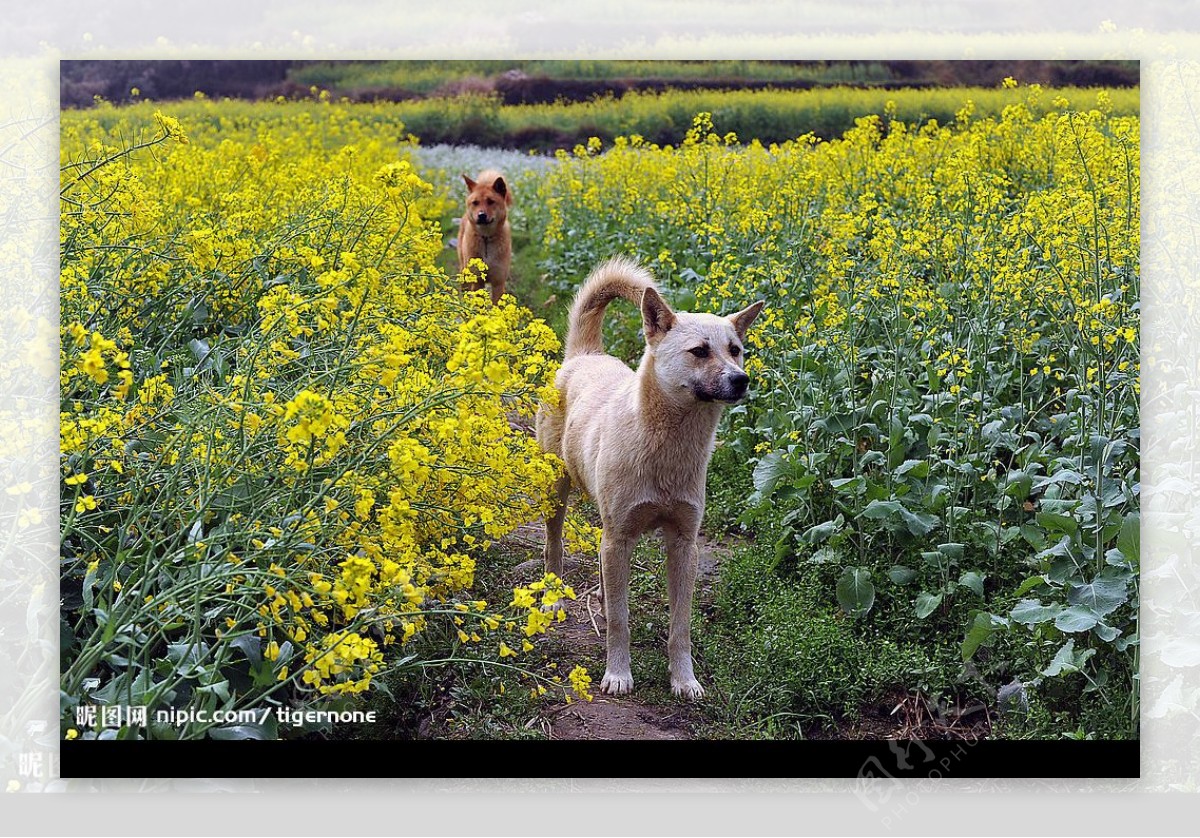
point(694, 759)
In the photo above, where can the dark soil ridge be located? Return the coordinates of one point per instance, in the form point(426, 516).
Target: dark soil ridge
point(163, 80)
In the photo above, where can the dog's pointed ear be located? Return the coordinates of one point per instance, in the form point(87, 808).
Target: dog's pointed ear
point(744, 318)
point(502, 189)
point(657, 317)
point(470, 183)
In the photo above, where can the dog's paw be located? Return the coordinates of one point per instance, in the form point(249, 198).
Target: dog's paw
point(689, 688)
point(617, 684)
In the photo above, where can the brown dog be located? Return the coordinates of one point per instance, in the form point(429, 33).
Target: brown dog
point(484, 232)
point(639, 445)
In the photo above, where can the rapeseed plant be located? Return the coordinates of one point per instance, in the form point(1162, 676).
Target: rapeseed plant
point(285, 434)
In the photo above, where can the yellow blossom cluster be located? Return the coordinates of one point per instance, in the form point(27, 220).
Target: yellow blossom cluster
point(1031, 216)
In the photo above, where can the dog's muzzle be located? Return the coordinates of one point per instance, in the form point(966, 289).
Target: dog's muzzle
point(738, 385)
point(733, 390)
point(482, 218)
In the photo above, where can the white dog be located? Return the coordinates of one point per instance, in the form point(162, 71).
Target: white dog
point(639, 445)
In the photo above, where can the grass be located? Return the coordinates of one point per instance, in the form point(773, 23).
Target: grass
point(810, 663)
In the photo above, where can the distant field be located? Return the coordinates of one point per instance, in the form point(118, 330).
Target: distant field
point(765, 115)
point(528, 82)
point(428, 76)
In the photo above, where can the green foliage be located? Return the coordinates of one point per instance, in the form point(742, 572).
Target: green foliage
point(775, 648)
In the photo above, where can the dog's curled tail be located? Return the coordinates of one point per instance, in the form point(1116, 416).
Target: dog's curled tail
point(618, 277)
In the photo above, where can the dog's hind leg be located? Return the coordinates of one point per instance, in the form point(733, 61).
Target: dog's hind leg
point(682, 563)
point(615, 553)
point(553, 551)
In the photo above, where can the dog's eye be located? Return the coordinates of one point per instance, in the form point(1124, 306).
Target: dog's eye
point(699, 351)
point(735, 350)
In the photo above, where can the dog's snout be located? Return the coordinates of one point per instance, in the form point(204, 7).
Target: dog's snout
point(482, 218)
point(739, 382)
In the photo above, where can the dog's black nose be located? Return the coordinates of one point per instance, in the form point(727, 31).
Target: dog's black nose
point(482, 218)
point(739, 383)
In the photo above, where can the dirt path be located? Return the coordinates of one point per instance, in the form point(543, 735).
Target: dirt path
point(581, 638)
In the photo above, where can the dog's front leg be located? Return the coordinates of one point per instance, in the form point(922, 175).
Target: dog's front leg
point(682, 562)
point(615, 553)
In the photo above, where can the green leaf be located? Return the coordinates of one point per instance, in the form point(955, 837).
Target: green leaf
point(186, 656)
point(1030, 612)
point(915, 468)
point(1067, 476)
point(938, 494)
point(768, 472)
point(825, 555)
point(1062, 660)
point(855, 593)
point(1129, 542)
point(1057, 523)
point(919, 523)
point(973, 580)
point(823, 531)
point(1017, 484)
point(200, 350)
point(1076, 618)
point(89, 582)
point(934, 559)
point(1061, 549)
point(1035, 537)
point(1029, 584)
point(220, 689)
point(250, 645)
point(1103, 595)
point(878, 510)
point(1067, 660)
point(927, 603)
point(848, 485)
point(952, 550)
point(901, 575)
point(872, 458)
point(980, 631)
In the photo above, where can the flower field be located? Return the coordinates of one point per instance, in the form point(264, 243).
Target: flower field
point(285, 433)
point(288, 440)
